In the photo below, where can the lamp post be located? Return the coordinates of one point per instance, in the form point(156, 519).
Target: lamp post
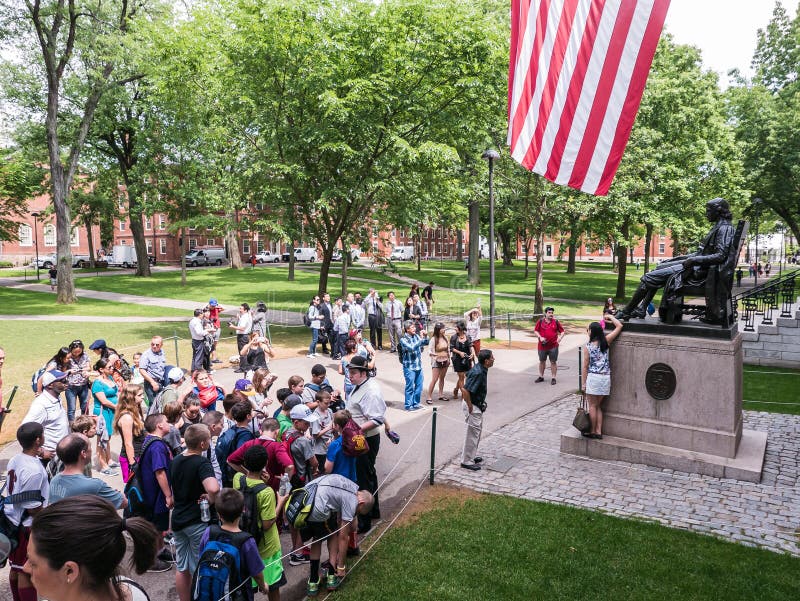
point(35, 216)
point(491, 155)
point(757, 211)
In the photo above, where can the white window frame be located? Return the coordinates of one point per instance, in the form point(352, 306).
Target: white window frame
point(25, 234)
point(49, 234)
point(74, 237)
point(162, 222)
point(162, 246)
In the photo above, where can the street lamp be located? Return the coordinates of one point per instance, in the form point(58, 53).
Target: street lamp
point(491, 155)
point(35, 216)
point(757, 211)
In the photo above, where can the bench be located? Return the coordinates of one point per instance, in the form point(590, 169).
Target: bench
point(715, 288)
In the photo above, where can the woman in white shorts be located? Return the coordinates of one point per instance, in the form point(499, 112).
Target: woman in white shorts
point(597, 371)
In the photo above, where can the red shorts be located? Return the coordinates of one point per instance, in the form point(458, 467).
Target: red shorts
point(17, 559)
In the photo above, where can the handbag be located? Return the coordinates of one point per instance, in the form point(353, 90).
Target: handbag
point(581, 421)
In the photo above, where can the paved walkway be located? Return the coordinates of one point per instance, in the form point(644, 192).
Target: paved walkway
point(761, 515)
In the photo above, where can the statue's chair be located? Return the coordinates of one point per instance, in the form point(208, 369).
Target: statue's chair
point(715, 287)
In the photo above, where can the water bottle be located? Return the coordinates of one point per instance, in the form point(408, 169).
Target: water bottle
point(205, 511)
point(286, 487)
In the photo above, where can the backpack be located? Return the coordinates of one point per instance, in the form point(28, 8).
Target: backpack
point(288, 438)
point(37, 375)
point(134, 491)
point(299, 506)
point(250, 521)
point(219, 570)
point(354, 443)
point(399, 352)
point(9, 532)
point(227, 443)
point(307, 318)
point(124, 370)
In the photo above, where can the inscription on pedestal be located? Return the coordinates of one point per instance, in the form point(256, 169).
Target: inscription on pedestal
point(660, 381)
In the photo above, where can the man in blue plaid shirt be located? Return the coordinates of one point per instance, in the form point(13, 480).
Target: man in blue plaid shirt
point(411, 345)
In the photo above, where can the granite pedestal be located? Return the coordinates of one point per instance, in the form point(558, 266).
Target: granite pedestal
point(676, 402)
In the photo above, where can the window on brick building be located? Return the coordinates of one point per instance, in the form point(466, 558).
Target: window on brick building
point(74, 237)
point(162, 222)
point(661, 248)
point(25, 235)
point(49, 235)
point(149, 245)
point(148, 223)
point(192, 243)
point(162, 246)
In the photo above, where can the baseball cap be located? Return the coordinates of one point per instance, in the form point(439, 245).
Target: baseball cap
point(52, 376)
point(293, 400)
point(303, 412)
point(99, 343)
point(175, 374)
point(212, 302)
point(358, 362)
point(244, 386)
point(354, 332)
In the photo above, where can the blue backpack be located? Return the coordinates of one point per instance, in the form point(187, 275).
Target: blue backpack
point(230, 440)
point(219, 570)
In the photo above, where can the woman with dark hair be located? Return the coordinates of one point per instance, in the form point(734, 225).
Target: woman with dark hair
point(105, 391)
point(349, 352)
point(597, 371)
point(260, 319)
point(59, 361)
point(77, 545)
point(463, 355)
point(608, 308)
point(439, 351)
point(78, 379)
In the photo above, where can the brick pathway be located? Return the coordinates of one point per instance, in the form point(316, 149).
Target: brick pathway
point(764, 515)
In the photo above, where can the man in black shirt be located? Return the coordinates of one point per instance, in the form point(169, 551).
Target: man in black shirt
point(474, 406)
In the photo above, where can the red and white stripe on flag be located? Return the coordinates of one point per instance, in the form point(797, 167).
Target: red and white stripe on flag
point(577, 72)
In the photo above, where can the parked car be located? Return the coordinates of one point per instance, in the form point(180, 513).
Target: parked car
point(402, 253)
point(301, 254)
point(47, 261)
point(266, 256)
point(209, 255)
point(355, 253)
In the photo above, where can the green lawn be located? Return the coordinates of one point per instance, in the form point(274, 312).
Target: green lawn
point(503, 548)
point(776, 389)
point(27, 302)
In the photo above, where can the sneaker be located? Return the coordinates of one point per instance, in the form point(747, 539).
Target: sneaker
point(539, 379)
point(217, 361)
point(333, 582)
point(160, 566)
point(109, 471)
point(553, 381)
point(297, 559)
point(310, 355)
point(166, 555)
point(113, 464)
point(312, 588)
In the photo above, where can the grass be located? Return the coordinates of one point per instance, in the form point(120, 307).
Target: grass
point(30, 273)
point(507, 548)
point(775, 389)
point(27, 302)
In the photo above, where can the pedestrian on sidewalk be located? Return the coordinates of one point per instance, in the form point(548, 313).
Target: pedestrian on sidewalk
point(549, 331)
point(739, 275)
point(393, 310)
point(243, 327)
point(53, 274)
point(473, 407)
point(411, 344)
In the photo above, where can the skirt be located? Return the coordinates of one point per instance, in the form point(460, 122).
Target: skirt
point(598, 384)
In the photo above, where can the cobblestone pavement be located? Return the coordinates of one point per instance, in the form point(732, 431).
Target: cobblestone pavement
point(761, 515)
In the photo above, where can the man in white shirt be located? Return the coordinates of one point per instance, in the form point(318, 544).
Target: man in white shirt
point(243, 327)
point(357, 314)
point(342, 329)
point(46, 410)
point(198, 333)
point(393, 310)
point(28, 489)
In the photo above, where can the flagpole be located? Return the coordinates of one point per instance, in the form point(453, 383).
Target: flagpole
point(491, 155)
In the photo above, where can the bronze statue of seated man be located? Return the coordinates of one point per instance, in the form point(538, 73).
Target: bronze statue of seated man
point(692, 268)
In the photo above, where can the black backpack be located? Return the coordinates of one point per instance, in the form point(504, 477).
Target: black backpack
point(306, 318)
point(230, 440)
point(134, 492)
point(9, 532)
point(250, 521)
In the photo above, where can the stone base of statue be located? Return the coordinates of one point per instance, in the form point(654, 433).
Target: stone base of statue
point(676, 403)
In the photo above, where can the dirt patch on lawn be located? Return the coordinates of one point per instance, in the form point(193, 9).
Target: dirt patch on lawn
point(438, 496)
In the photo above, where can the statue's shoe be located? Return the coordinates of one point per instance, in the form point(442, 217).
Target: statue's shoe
point(637, 314)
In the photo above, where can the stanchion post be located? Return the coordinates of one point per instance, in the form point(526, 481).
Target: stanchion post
point(433, 446)
point(175, 340)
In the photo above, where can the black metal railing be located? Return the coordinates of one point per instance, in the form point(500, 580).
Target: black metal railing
point(765, 299)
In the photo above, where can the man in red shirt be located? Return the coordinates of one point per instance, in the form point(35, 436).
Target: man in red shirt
point(214, 310)
point(549, 331)
point(278, 459)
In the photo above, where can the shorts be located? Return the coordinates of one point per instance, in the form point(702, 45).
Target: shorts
point(552, 354)
point(53, 281)
point(273, 571)
point(598, 384)
point(187, 546)
point(319, 530)
point(439, 364)
point(17, 559)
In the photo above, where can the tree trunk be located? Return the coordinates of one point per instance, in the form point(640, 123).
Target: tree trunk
point(459, 245)
point(505, 244)
point(345, 255)
point(90, 241)
point(325, 267)
point(418, 247)
point(527, 241)
point(648, 228)
point(538, 297)
point(181, 248)
point(137, 229)
point(66, 283)
point(232, 241)
point(622, 263)
point(614, 248)
point(572, 251)
point(327, 258)
point(474, 272)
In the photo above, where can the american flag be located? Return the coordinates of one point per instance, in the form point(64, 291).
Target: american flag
point(577, 72)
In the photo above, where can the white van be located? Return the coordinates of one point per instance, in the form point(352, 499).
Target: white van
point(208, 255)
point(123, 255)
point(402, 253)
point(305, 254)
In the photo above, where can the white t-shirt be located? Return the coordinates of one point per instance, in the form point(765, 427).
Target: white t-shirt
point(246, 322)
point(25, 473)
point(47, 410)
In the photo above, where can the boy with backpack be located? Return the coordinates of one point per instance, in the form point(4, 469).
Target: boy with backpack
point(279, 461)
point(259, 515)
point(288, 400)
point(322, 429)
point(233, 438)
point(224, 548)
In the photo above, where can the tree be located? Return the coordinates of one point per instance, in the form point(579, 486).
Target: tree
point(80, 43)
point(766, 114)
point(19, 181)
point(95, 203)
